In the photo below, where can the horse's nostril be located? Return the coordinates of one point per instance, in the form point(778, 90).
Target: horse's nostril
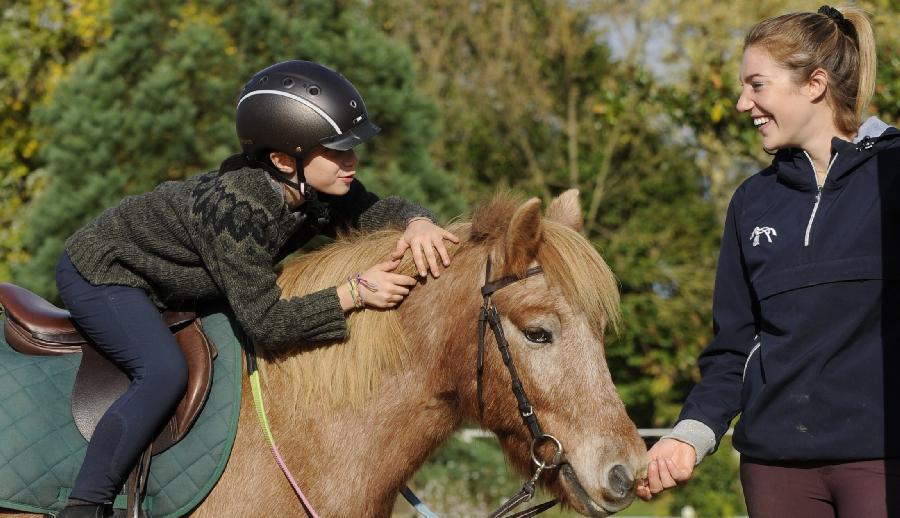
point(620, 481)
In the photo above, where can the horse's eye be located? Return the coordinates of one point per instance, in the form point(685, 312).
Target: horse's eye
point(538, 335)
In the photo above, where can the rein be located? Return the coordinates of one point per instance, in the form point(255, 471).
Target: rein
point(267, 431)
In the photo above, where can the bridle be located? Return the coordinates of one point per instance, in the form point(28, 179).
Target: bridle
point(490, 316)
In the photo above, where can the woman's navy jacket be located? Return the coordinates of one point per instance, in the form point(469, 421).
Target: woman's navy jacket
point(806, 309)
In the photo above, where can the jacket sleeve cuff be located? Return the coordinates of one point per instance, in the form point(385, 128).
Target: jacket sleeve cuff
point(696, 434)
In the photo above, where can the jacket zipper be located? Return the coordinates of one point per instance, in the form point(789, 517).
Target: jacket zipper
point(818, 194)
point(758, 343)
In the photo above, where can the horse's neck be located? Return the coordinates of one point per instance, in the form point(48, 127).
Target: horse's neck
point(361, 457)
point(355, 460)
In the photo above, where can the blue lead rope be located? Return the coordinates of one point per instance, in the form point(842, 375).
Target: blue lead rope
point(417, 504)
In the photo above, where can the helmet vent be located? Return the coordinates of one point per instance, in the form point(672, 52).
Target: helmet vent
point(313, 90)
point(263, 80)
point(288, 82)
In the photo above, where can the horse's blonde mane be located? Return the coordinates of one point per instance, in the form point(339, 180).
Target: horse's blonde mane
point(346, 373)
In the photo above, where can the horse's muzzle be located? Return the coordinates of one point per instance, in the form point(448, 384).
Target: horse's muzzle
point(617, 493)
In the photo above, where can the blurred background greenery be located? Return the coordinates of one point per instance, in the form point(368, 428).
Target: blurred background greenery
point(630, 101)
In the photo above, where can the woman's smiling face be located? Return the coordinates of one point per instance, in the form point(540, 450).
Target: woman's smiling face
point(781, 110)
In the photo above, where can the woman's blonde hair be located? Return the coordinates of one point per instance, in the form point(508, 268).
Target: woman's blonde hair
point(841, 44)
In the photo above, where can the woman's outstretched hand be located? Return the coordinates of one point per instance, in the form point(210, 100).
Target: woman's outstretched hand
point(424, 238)
point(378, 287)
point(671, 463)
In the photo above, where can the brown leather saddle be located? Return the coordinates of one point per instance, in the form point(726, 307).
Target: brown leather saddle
point(34, 326)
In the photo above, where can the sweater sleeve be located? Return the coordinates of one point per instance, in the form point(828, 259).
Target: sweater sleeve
point(716, 400)
point(236, 238)
point(363, 210)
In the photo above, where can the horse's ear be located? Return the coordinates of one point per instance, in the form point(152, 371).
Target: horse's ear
point(566, 209)
point(523, 237)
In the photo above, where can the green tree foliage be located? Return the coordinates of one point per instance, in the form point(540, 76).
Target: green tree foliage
point(38, 41)
point(886, 102)
point(156, 102)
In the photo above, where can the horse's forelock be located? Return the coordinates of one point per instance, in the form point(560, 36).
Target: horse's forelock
point(586, 281)
point(491, 220)
point(569, 260)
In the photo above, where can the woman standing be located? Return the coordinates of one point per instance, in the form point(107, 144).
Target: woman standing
point(806, 305)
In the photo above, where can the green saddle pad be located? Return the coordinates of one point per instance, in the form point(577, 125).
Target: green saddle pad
point(41, 449)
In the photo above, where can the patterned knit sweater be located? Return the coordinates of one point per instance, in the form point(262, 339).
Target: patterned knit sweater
point(218, 236)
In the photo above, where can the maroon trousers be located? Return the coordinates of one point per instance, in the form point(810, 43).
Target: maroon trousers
point(868, 489)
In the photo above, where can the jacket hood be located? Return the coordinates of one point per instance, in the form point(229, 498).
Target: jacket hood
point(794, 168)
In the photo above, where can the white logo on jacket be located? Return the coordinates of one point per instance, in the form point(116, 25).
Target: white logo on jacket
point(762, 231)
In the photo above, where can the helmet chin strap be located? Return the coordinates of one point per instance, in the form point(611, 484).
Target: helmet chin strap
point(315, 210)
point(302, 187)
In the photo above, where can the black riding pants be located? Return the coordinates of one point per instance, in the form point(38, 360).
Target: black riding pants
point(123, 324)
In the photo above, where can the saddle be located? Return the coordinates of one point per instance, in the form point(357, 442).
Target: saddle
point(34, 326)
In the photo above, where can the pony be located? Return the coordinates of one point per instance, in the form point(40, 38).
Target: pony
point(355, 420)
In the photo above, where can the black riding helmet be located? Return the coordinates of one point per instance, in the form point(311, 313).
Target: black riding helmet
point(294, 106)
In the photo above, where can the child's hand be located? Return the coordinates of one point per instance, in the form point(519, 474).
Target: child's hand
point(424, 237)
point(378, 287)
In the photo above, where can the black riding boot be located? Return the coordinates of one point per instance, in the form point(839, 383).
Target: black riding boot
point(85, 511)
